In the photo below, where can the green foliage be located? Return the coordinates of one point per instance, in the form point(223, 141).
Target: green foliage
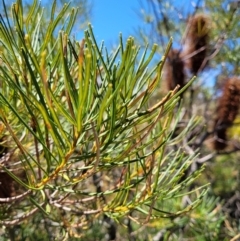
point(95, 149)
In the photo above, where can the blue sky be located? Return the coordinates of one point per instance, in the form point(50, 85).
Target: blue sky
point(110, 17)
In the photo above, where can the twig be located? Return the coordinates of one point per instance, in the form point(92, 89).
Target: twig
point(16, 198)
point(18, 220)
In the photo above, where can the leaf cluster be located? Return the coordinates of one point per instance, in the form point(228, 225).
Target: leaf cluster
point(81, 126)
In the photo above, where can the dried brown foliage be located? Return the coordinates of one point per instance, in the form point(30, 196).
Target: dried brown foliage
point(227, 111)
point(197, 40)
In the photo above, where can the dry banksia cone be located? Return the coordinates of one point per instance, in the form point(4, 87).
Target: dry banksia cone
point(174, 70)
point(8, 186)
point(196, 44)
point(227, 111)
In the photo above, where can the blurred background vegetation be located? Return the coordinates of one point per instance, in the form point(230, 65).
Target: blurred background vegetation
point(122, 143)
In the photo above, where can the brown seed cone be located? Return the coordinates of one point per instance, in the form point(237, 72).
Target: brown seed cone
point(8, 186)
point(174, 70)
point(197, 40)
point(227, 111)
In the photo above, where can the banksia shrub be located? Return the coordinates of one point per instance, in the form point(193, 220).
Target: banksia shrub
point(196, 43)
point(174, 70)
point(95, 145)
point(227, 111)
